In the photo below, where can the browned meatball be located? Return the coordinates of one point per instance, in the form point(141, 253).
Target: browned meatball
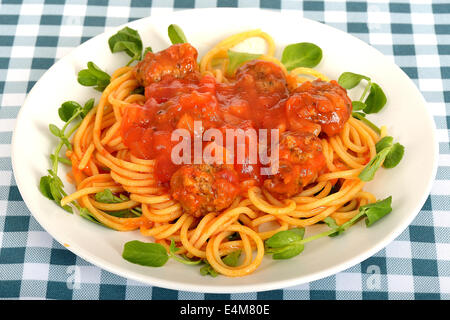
point(269, 78)
point(318, 105)
point(204, 188)
point(301, 160)
point(177, 61)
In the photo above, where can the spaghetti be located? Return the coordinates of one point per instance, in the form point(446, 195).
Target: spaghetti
point(101, 160)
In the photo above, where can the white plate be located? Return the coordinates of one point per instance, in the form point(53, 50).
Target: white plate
point(405, 115)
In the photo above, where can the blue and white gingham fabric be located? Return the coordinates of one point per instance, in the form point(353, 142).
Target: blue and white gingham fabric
point(34, 34)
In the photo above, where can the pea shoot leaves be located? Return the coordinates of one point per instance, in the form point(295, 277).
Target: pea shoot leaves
point(153, 254)
point(394, 156)
point(349, 80)
point(146, 50)
point(69, 108)
point(388, 154)
point(384, 143)
point(208, 270)
point(145, 254)
point(376, 99)
point(183, 259)
point(231, 260)
point(362, 117)
point(375, 211)
point(129, 41)
point(368, 173)
point(285, 238)
point(358, 105)
point(125, 40)
point(106, 196)
point(51, 185)
point(290, 243)
point(176, 34)
point(303, 54)
point(285, 244)
point(93, 76)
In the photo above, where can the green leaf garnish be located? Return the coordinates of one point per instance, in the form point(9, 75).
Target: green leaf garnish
point(376, 211)
point(384, 143)
point(176, 34)
point(376, 99)
point(146, 50)
point(371, 168)
point(289, 245)
point(125, 213)
point(183, 259)
point(93, 76)
point(349, 80)
point(302, 54)
point(145, 254)
point(208, 270)
point(51, 185)
point(68, 109)
point(284, 238)
point(289, 252)
point(54, 130)
point(127, 40)
point(394, 156)
point(61, 160)
point(358, 105)
point(106, 196)
point(232, 258)
point(361, 116)
point(236, 59)
point(388, 155)
point(86, 214)
point(333, 225)
point(87, 107)
point(285, 244)
point(44, 187)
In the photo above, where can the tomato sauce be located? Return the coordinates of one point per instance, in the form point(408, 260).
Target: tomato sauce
point(258, 97)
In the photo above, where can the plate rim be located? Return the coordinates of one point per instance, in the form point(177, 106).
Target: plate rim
point(276, 284)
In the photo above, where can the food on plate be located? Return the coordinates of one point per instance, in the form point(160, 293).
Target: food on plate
point(223, 160)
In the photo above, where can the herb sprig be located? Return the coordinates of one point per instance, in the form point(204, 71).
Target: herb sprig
point(155, 255)
point(388, 155)
point(93, 76)
point(303, 54)
point(290, 243)
point(176, 34)
point(376, 99)
point(129, 41)
point(51, 185)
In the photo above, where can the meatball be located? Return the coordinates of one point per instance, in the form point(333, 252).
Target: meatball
point(177, 61)
point(269, 78)
point(318, 106)
point(204, 188)
point(301, 160)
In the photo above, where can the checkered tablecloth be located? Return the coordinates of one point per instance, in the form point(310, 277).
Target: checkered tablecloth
point(34, 34)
